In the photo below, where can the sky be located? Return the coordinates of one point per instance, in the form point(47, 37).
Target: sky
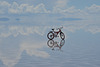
point(24, 25)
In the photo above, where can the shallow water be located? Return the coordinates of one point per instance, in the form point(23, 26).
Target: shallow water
point(81, 49)
point(24, 26)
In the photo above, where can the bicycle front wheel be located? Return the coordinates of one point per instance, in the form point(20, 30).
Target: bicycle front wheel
point(62, 35)
point(62, 42)
point(50, 43)
point(50, 35)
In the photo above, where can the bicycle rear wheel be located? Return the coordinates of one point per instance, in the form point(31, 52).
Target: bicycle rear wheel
point(50, 43)
point(50, 35)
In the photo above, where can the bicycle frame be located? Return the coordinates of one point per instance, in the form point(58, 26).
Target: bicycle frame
point(53, 44)
point(56, 33)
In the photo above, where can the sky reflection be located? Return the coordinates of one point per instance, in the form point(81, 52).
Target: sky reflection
point(24, 27)
point(81, 45)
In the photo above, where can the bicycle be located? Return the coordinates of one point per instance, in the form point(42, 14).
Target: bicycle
point(53, 34)
point(52, 44)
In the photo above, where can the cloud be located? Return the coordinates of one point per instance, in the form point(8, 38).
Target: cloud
point(8, 60)
point(4, 6)
point(10, 56)
point(25, 8)
point(40, 9)
point(32, 49)
point(93, 9)
point(85, 25)
point(31, 46)
point(15, 8)
point(59, 7)
point(21, 30)
point(93, 29)
point(4, 3)
point(6, 31)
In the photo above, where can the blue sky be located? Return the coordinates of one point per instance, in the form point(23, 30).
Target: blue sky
point(24, 25)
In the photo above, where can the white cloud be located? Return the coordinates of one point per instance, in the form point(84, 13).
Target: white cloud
point(70, 10)
point(4, 6)
point(14, 8)
point(4, 3)
point(40, 30)
point(86, 25)
point(93, 29)
point(23, 8)
point(8, 60)
point(60, 7)
point(29, 9)
point(9, 55)
point(40, 9)
point(21, 30)
point(12, 54)
point(32, 49)
point(74, 27)
point(94, 9)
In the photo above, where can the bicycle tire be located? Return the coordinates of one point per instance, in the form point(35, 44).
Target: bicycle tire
point(50, 37)
point(50, 43)
point(62, 35)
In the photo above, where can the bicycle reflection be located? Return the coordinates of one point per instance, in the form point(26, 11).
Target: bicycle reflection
point(53, 44)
